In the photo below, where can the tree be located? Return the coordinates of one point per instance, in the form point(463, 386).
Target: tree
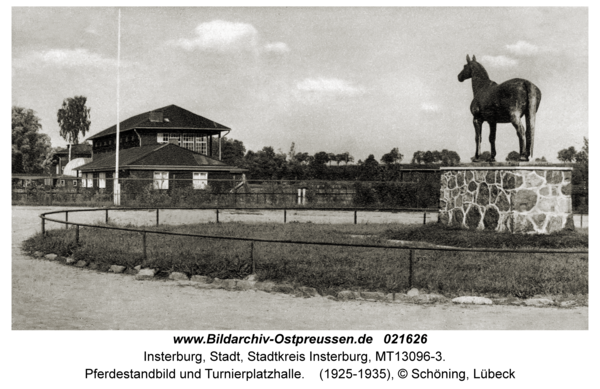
point(321, 158)
point(73, 119)
point(265, 164)
point(346, 157)
point(317, 165)
point(450, 158)
point(428, 157)
point(567, 155)
point(392, 157)
point(369, 169)
point(513, 156)
point(332, 157)
point(543, 159)
point(582, 156)
point(339, 158)
point(418, 157)
point(292, 153)
point(445, 157)
point(232, 151)
point(29, 146)
point(303, 157)
point(50, 162)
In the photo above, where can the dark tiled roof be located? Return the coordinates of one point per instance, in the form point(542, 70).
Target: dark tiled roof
point(177, 118)
point(31, 176)
point(82, 148)
point(168, 154)
point(203, 160)
point(126, 156)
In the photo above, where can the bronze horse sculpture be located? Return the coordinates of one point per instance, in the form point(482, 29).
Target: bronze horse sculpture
point(504, 103)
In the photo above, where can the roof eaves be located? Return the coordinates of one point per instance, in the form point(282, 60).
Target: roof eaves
point(190, 168)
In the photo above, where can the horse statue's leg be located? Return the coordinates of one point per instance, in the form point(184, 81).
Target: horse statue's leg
point(529, 132)
point(533, 102)
point(515, 119)
point(477, 124)
point(493, 141)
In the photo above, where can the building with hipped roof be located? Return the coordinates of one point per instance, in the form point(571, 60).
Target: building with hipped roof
point(167, 148)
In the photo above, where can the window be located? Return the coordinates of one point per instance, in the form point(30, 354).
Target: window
point(200, 180)
point(201, 145)
point(90, 180)
point(161, 180)
point(61, 183)
point(102, 180)
point(74, 182)
point(197, 143)
point(187, 141)
point(174, 138)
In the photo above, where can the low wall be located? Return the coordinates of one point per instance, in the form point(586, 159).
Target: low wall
point(508, 198)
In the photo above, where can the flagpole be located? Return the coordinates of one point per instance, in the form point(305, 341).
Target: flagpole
point(117, 188)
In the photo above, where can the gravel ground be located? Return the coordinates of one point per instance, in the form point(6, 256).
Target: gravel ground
point(48, 295)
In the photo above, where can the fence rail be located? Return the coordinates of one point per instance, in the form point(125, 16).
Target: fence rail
point(144, 232)
point(415, 190)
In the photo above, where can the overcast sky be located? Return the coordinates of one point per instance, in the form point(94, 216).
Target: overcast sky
point(362, 80)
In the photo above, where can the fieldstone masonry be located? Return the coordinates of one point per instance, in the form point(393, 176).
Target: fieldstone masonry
point(510, 198)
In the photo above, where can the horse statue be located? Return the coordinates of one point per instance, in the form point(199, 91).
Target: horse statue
point(504, 103)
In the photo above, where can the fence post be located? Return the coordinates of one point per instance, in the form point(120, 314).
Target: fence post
point(581, 221)
point(66, 220)
point(77, 234)
point(284, 216)
point(156, 217)
point(106, 217)
point(217, 215)
point(43, 227)
point(410, 268)
point(144, 244)
point(354, 217)
point(252, 257)
point(425, 217)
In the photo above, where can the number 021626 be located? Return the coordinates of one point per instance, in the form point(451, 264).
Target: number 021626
point(405, 339)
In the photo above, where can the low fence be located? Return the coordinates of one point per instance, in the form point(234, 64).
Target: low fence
point(414, 189)
point(418, 189)
point(412, 249)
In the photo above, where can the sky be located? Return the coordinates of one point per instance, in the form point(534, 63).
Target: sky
point(361, 80)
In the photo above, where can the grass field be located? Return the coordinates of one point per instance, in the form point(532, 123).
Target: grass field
point(330, 269)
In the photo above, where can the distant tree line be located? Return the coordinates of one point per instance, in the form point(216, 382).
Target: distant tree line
point(267, 164)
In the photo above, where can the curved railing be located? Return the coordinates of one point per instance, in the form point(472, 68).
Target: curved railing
point(412, 248)
point(68, 223)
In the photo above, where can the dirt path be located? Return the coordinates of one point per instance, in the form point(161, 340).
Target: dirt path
point(47, 295)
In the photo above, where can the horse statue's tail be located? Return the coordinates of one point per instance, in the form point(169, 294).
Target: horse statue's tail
point(534, 96)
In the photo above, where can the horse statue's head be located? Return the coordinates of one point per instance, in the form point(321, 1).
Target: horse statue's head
point(467, 71)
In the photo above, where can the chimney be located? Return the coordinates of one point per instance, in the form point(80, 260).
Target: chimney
point(156, 117)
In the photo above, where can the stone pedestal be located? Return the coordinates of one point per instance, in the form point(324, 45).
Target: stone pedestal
point(519, 199)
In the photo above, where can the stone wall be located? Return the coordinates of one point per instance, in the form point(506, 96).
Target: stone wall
point(519, 200)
